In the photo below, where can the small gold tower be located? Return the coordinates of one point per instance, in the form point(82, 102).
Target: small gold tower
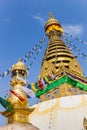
point(17, 97)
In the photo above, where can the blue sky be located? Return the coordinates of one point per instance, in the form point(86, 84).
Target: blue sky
point(22, 26)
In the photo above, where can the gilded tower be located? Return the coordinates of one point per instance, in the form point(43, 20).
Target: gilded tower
point(58, 59)
point(57, 52)
point(18, 98)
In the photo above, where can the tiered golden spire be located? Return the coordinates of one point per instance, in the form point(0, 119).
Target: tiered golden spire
point(58, 58)
point(57, 51)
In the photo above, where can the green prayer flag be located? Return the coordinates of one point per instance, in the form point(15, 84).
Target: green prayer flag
point(6, 104)
point(60, 81)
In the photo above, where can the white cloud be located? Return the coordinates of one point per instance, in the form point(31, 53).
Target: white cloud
point(73, 29)
point(40, 19)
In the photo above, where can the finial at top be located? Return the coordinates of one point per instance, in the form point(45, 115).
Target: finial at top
point(52, 24)
point(19, 59)
point(51, 15)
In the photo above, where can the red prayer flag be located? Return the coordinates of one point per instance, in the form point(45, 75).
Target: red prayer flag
point(17, 95)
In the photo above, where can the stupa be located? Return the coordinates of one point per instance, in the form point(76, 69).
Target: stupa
point(61, 87)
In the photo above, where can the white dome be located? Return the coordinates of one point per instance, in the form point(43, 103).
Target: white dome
point(66, 113)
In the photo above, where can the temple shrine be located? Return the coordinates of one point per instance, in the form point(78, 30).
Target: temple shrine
point(61, 88)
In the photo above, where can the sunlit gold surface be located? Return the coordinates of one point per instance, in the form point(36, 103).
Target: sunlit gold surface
point(58, 57)
point(21, 111)
point(19, 66)
point(19, 115)
point(50, 28)
point(52, 23)
point(57, 51)
point(62, 91)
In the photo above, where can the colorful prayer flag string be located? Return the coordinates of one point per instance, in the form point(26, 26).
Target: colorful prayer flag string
point(35, 57)
point(36, 49)
point(75, 38)
point(5, 93)
point(69, 43)
point(28, 92)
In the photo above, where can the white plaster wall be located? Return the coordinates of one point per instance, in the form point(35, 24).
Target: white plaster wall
point(66, 113)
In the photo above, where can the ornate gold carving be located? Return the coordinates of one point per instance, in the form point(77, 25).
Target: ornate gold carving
point(46, 69)
point(75, 67)
point(19, 66)
point(59, 55)
point(61, 91)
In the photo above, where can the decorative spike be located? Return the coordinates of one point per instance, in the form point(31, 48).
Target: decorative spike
point(51, 15)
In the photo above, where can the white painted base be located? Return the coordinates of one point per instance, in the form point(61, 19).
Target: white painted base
point(66, 113)
point(18, 127)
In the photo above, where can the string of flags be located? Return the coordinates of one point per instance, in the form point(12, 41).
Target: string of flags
point(42, 85)
point(8, 106)
point(36, 48)
point(45, 82)
point(35, 57)
point(17, 95)
point(72, 46)
point(29, 92)
point(75, 38)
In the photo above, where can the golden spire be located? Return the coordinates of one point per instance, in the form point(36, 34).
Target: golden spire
point(57, 51)
point(51, 15)
point(57, 58)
